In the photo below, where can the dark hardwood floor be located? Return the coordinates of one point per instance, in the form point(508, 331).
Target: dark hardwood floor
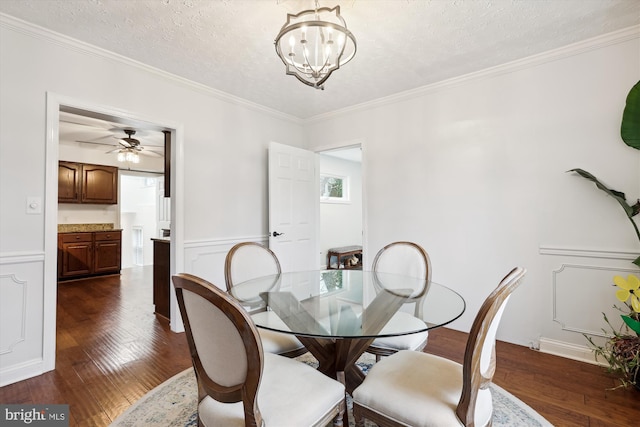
point(111, 350)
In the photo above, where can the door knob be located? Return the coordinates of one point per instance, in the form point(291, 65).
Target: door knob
point(276, 234)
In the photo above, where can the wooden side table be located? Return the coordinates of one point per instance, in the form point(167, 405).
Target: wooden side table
point(344, 252)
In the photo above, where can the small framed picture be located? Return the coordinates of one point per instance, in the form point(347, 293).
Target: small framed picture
point(334, 188)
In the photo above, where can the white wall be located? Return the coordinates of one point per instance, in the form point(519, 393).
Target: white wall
point(341, 223)
point(474, 170)
point(138, 195)
point(225, 160)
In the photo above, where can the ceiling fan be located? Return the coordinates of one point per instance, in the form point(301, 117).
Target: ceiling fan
point(131, 148)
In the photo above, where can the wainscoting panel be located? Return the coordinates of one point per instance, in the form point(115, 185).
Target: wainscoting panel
point(21, 316)
point(206, 258)
point(581, 290)
point(581, 293)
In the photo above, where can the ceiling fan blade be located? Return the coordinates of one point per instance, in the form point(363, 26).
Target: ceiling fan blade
point(150, 153)
point(115, 150)
point(95, 143)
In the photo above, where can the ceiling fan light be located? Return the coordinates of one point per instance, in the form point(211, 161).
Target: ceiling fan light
point(128, 155)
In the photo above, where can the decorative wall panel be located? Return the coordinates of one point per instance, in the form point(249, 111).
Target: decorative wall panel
point(582, 293)
point(206, 258)
point(21, 316)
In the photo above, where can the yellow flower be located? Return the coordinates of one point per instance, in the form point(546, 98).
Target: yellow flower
point(628, 287)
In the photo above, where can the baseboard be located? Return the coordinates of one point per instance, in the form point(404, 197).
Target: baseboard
point(577, 352)
point(21, 372)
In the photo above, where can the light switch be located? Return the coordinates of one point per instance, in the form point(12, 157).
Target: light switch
point(34, 205)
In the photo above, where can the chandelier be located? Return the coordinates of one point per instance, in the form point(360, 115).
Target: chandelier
point(128, 155)
point(314, 43)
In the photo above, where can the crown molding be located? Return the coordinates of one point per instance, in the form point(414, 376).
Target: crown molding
point(47, 35)
point(599, 42)
point(577, 48)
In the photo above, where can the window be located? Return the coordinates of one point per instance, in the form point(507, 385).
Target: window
point(334, 188)
point(138, 245)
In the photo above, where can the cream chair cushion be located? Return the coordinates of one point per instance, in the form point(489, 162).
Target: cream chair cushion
point(290, 394)
point(402, 321)
point(419, 390)
point(272, 341)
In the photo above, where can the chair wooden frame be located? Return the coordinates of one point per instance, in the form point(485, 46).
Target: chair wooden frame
point(380, 351)
point(258, 304)
point(473, 378)
point(246, 391)
point(228, 261)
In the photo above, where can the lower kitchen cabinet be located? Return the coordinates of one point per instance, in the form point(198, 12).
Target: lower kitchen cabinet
point(162, 277)
point(89, 253)
point(108, 249)
point(75, 254)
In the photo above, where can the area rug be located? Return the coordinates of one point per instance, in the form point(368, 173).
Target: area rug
point(173, 404)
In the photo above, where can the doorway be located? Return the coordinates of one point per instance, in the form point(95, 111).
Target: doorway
point(55, 106)
point(139, 216)
point(341, 200)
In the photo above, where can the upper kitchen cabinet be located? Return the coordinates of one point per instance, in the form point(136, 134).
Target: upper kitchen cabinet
point(69, 178)
point(86, 183)
point(100, 184)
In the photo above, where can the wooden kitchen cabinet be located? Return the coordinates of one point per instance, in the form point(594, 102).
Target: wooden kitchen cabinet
point(75, 254)
point(87, 183)
point(162, 277)
point(108, 249)
point(89, 253)
point(69, 178)
point(100, 184)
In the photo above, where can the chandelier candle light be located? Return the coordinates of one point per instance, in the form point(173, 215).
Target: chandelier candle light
point(314, 43)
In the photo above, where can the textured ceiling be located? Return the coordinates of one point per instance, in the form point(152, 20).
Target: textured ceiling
point(402, 44)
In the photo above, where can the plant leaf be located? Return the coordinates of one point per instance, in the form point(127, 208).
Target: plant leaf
point(633, 324)
point(637, 261)
point(630, 128)
point(619, 196)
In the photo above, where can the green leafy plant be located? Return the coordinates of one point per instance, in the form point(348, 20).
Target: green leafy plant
point(630, 133)
point(622, 350)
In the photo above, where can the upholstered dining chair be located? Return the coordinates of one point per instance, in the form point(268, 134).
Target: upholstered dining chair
point(407, 259)
point(238, 383)
point(417, 389)
point(246, 261)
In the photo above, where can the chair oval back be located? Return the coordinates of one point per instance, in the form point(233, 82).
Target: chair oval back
point(407, 259)
point(248, 260)
point(225, 346)
point(479, 359)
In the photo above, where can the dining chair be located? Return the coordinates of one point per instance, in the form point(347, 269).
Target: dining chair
point(423, 390)
point(249, 260)
point(407, 259)
point(238, 383)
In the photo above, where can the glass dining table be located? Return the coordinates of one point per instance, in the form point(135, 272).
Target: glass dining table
point(337, 314)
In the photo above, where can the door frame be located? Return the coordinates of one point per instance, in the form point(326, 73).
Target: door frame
point(53, 104)
point(359, 142)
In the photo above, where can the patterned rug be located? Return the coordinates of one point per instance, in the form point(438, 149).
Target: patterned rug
point(173, 404)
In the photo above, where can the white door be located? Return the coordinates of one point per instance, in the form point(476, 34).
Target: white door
point(293, 207)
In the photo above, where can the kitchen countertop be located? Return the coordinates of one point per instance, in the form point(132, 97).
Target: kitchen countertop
point(161, 239)
point(79, 228)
